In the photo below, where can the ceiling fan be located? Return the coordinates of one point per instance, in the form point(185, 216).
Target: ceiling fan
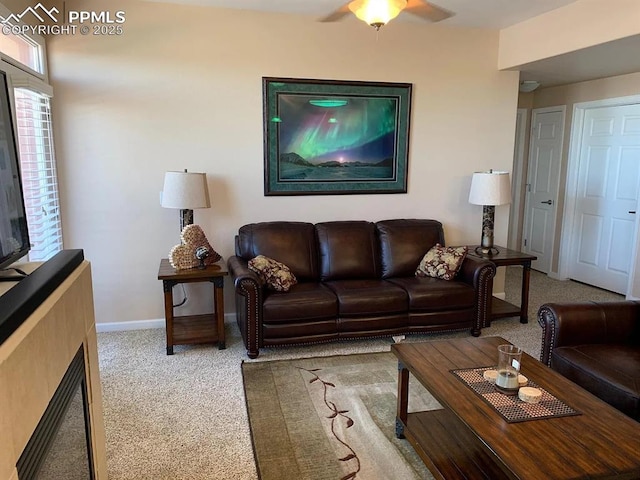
point(378, 12)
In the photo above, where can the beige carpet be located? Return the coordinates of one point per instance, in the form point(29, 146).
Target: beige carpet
point(184, 416)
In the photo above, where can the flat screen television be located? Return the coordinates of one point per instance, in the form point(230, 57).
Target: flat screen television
point(14, 235)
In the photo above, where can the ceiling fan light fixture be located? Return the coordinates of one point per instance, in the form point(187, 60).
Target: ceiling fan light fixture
point(377, 12)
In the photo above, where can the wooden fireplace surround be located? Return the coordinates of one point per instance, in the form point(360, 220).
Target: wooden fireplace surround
point(35, 357)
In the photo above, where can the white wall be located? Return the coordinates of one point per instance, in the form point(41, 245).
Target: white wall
point(578, 25)
point(182, 89)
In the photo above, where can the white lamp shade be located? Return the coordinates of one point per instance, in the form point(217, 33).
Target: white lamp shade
point(377, 11)
point(185, 190)
point(490, 188)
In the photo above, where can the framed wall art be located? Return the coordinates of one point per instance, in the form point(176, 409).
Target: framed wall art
point(335, 137)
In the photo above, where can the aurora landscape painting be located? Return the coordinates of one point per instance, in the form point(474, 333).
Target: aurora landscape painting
point(330, 137)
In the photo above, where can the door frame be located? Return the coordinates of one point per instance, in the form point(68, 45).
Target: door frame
point(571, 186)
point(517, 176)
point(527, 198)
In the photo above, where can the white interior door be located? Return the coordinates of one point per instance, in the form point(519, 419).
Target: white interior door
point(605, 223)
point(543, 176)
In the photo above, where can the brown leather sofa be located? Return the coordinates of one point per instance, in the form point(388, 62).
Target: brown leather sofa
point(356, 279)
point(597, 346)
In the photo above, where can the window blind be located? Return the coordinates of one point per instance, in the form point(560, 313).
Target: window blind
point(38, 169)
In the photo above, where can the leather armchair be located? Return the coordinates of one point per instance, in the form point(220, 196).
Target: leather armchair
point(597, 346)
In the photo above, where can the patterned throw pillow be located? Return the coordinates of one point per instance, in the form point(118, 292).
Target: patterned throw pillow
point(276, 275)
point(442, 262)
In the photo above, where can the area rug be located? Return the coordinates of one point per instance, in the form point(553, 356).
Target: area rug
point(331, 418)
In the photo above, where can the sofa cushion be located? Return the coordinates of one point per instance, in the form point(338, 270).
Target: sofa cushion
point(291, 243)
point(305, 301)
point(611, 372)
point(432, 294)
point(347, 250)
point(297, 332)
point(276, 275)
point(404, 242)
point(442, 262)
point(368, 297)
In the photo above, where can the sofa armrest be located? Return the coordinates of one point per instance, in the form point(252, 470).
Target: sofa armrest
point(479, 273)
point(248, 294)
point(239, 271)
point(473, 270)
point(584, 323)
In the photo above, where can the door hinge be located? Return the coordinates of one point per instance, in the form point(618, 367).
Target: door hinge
point(525, 242)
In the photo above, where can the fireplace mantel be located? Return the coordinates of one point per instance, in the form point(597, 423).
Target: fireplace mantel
point(33, 361)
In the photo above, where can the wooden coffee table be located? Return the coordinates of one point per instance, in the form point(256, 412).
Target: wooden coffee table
point(468, 438)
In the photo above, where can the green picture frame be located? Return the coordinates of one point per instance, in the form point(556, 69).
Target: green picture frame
point(328, 137)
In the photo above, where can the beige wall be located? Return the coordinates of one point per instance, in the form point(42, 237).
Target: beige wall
point(569, 95)
point(182, 89)
point(612, 87)
point(525, 100)
point(581, 24)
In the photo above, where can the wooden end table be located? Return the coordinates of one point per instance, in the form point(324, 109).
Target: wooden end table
point(189, 329)
point(503, 258)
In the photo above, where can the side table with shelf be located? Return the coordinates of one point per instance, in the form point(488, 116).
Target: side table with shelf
point(502, 258)
point(189, 329)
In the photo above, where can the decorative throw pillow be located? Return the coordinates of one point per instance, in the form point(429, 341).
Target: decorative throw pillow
point(276, 275)
point(442, 262)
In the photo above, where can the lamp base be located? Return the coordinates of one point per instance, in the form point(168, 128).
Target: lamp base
point(186, 218)
point(486, 243)
point(487, 251)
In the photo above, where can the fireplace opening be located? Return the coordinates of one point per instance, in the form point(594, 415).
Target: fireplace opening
point(60, 447)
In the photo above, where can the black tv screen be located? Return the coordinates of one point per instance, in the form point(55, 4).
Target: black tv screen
point(14, 236)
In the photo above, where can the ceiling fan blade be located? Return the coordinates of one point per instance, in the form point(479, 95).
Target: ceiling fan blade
point(427, 10)
point(337, 14)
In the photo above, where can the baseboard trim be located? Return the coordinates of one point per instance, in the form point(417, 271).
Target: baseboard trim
point(130, 325)
point(556, 276)
point(141, 324)
point(500, 295)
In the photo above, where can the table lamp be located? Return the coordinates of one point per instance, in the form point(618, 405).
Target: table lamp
point(185, 191)
point(489, 189)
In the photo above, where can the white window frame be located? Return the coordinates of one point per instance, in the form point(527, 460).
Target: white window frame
point(36, 39)
point(22, 76)
point(39, 172)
